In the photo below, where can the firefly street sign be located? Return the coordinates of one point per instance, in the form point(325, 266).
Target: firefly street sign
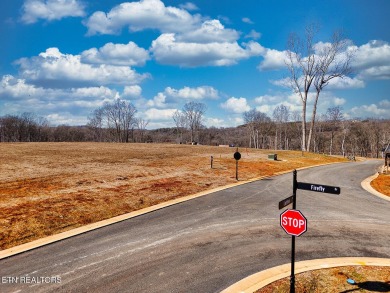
point(319, 188)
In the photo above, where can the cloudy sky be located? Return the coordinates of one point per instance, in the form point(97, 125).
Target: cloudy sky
point(62, 59)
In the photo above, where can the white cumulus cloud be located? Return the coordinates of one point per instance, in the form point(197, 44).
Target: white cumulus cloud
point(236, 105)
point(345, 83)
point(167, 49)
point(171, 96)
point(19, 96)
point(198, 93)
point(273, 60)
point(186, 39)
point(253, 35)
point(50, 10)
point(116, 54)
point(247, 20)
point(209, 31)
point(267, 99)
point(372, 60)
point(336, 83)
point(159, 114)
point(66, 118)
point(189, 6)
point(159, 101)
point(132, 91)
point(56, 69)
point(144, 14)
point(379, 111)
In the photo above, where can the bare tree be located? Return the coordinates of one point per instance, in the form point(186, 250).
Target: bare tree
point(194, 112)
point(344, 133)
point(180, 122)
point(118, 116)
point(141, 125)
point(315, 64)
point(258, 124)
point(96, 124)
point(250, 121)
point(333, 115)
point(27, 127)
point(281, 115)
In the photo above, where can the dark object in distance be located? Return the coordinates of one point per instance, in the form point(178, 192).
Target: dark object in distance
point(273, 157)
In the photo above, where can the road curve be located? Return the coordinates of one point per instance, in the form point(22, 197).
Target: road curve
point(211, 242)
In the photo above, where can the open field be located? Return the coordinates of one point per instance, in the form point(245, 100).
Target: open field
point(47, 188)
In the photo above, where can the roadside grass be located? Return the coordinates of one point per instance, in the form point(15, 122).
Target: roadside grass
point(382, 184)
point(367, 278)
point(48, 188)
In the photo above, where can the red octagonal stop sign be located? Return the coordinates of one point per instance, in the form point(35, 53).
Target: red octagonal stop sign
point(293, 222)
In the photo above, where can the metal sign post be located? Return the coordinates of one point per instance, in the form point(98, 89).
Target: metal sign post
point(294, 222)
point(292, 276)
point(237, 157)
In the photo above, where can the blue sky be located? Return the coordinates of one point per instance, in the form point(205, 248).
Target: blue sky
point(62, 59)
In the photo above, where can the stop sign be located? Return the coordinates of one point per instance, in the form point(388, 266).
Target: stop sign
point(293, 222)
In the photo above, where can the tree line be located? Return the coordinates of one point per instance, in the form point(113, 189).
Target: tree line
point(331, 134)
point(117, 122)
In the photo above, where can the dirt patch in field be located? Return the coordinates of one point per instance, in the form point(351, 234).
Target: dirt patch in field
point(47, 188)
point(366, 278)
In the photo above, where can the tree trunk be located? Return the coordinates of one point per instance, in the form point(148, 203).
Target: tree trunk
point(331, 143)
point(304, 127)
point(276, 140)
point(313, 119)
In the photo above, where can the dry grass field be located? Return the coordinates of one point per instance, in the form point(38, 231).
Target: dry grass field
point(367, 278)
point(382, 184)
point(47, 188)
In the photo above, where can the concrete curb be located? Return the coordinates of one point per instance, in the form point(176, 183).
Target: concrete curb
point(259, 280)
point(366, 184)
point(83, 229)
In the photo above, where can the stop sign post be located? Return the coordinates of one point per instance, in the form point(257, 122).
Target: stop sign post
point(293, 222)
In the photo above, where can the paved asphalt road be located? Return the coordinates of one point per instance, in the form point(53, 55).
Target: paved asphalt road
point(209, 243)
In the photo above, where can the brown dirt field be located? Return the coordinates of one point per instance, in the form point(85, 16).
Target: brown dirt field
point(382, 184)
point(47, 188)
point(368, 279)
